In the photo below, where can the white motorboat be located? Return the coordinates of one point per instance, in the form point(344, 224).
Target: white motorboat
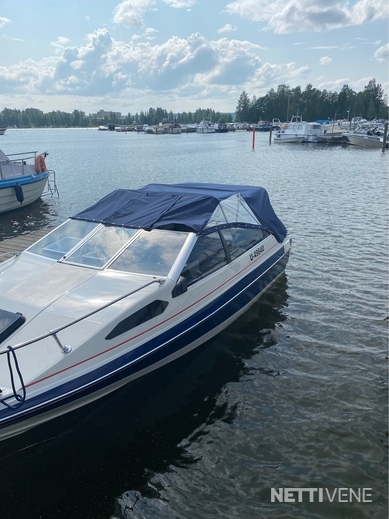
point(367, 137)
point(301, 131)
point(133, 282)
point(24, 178)
point(206, 126)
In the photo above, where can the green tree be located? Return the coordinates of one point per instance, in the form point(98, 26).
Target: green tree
point(243, 108)
point(371, 113)
point(358, 109)
point(346, 100)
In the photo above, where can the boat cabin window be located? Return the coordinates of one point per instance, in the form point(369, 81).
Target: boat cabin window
point(213, 251)
point(207, 256)
point(241, 239)
point(59, 242)
point(152, 252)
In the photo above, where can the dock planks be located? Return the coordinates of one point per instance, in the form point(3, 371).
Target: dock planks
point(21, 242)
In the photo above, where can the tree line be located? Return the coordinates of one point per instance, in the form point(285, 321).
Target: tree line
point(35, 118)
point(313, 104)
point(283, 103)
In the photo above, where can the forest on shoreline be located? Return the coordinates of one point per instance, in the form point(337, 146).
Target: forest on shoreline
point(283, 103)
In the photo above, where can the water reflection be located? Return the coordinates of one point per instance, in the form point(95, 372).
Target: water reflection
point(36, 216)
point(120, 443)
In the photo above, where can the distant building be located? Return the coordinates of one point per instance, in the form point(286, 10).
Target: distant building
point(103, 114)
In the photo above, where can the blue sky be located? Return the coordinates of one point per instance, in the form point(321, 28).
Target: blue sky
point(181, 55)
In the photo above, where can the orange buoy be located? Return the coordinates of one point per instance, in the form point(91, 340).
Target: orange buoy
point(40, 164)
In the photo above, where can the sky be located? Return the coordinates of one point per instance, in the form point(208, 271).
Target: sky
point(180, 55)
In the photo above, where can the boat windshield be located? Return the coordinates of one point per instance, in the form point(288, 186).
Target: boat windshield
point(119, 248)
point(63, 239)
point(101, 246)
point(151, 252)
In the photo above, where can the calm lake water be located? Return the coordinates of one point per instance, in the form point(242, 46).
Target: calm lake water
point(292, 395)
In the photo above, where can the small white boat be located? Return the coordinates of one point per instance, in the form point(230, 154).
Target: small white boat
point(132, 283)
point(367, 137)
point(2, 131)
point(24, 178)
point(206, 126)
point(301, 131)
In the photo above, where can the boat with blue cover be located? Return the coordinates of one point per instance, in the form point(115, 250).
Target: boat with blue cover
point(131, 283)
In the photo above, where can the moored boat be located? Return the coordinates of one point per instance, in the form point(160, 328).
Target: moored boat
point(133, 282)
point(367, 137)
point(262, 126)
point(301, 131)
point(221, 128)
point(170, 127)
point(206, 126)
point(24, 178)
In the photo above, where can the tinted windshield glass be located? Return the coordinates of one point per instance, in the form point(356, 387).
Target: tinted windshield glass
point(56, 244)
point(207, 256)
point(239, 239)
point(152, 252)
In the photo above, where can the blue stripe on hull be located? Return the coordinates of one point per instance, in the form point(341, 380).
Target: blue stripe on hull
point(166, 344)
point(22, 181)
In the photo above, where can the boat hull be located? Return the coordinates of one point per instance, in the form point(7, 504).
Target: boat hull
point(288, 138)
point(27, 189)
point(205, 130)
point(366, 141)
point(173, 342)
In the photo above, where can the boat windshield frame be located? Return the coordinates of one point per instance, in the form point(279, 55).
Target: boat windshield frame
point(117, 248)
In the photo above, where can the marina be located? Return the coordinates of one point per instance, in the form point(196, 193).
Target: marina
point(293, 394)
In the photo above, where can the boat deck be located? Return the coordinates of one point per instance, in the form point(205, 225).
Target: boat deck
point(19, 243)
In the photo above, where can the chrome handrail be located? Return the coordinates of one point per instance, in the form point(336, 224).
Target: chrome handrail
point(23, 153)
point(53, 333)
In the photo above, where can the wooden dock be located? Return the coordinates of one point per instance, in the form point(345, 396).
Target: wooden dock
point(21, 242)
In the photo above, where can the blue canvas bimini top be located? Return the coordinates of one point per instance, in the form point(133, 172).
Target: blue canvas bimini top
point(184, 207)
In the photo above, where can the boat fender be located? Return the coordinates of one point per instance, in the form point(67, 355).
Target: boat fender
point(19, 193)
point(40, 165)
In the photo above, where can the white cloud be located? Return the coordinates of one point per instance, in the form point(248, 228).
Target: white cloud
point(227, 28)
point(180, 4)
point(103, 66)
point(337, 85)
point(3, 22)
point(325, 60)
point(285, 16)
point(324, 47)
point(382, 54)
point(149, 34)
point(131, 12)
point(268, 75)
